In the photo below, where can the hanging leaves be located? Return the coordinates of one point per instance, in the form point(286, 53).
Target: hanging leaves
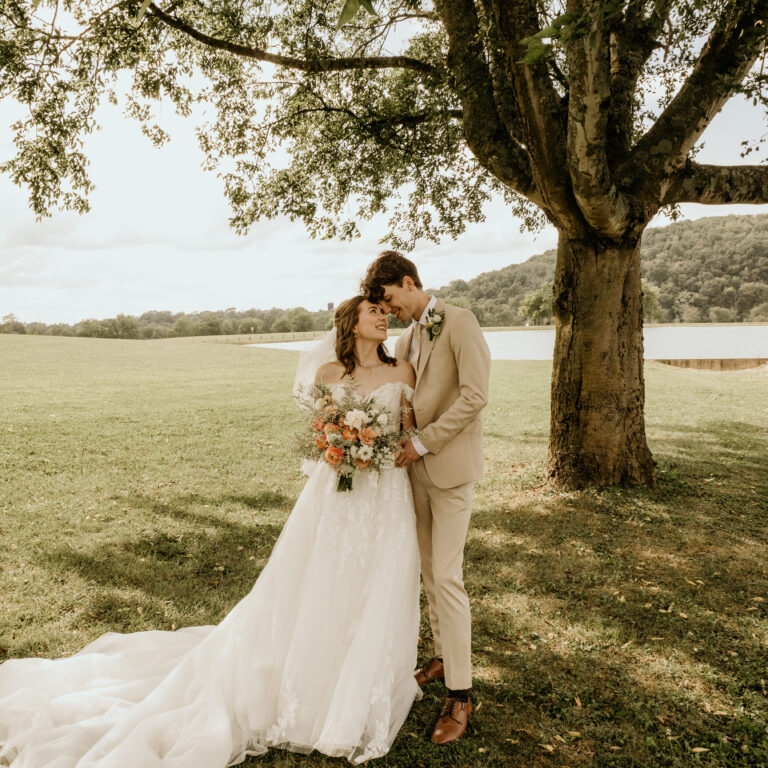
point(567, 27)
point(350, 9)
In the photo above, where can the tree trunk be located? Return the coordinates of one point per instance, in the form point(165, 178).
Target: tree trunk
point(597, 433)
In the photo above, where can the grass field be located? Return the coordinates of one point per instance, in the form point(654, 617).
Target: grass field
point(144, 483)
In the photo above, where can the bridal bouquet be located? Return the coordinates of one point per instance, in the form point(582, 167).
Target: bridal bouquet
point(349, 432)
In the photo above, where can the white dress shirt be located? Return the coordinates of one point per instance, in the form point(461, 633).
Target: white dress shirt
point(422, 321)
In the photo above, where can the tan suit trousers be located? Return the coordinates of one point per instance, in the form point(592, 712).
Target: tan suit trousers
point(442, 521)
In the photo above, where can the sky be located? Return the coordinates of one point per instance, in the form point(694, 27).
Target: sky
point(157, 236)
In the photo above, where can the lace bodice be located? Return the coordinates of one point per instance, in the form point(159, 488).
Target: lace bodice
point(387, 396)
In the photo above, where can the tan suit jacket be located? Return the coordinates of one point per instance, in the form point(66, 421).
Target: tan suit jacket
point(451, 390)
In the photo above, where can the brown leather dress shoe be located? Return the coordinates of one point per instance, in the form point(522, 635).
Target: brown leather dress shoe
point(432, 670)
point(452, 723)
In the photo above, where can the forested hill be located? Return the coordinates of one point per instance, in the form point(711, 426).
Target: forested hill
point(713, 269)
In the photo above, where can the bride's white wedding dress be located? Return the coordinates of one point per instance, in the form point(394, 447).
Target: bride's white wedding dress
point(319, 655)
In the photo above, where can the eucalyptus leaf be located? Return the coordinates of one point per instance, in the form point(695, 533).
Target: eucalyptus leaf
point(564, 20)
point(140, 13)
point(546, 32)
point(348, 12)
point(536, 53)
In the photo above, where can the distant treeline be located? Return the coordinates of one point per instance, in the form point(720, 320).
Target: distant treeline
point(162, 325)
point(709, 270)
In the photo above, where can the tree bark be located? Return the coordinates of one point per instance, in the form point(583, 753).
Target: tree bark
point(597, 432)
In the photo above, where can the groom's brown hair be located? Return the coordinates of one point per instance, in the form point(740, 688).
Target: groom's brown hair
point(389, 269)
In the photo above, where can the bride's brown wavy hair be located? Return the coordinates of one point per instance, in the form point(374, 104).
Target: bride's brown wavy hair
point(345, 320)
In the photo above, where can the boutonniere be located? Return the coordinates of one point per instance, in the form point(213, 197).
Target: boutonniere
point(433, 324)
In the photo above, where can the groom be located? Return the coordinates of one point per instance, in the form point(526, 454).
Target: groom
point(452, 363)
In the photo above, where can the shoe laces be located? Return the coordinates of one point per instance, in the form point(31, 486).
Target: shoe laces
point(449, 707)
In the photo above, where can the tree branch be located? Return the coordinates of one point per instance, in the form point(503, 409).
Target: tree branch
point(305, 65)
point(503, 92)
point(726, 59)
point(541, 113)
point(423, 117)
point(718, 184)
point(589, 64)
point(484, 131)
point(632, 43)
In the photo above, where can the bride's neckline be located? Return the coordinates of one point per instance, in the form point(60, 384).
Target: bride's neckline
point(365, 395)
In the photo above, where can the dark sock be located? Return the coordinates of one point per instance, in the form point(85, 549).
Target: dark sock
point(459, 695)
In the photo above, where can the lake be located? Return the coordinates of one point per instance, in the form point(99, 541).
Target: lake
point(689, 342)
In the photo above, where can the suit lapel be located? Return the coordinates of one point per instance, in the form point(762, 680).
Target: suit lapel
point(428, 345)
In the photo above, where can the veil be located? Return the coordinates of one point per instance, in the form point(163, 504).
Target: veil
point(323, 351)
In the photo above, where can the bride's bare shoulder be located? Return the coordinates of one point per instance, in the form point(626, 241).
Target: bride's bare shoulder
point(405, 373)
point(329, 372)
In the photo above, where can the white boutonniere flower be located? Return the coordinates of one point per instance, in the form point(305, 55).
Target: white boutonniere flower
point(433, 324)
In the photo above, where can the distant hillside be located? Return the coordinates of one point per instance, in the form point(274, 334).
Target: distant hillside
point(713, 269)
point(710, 270)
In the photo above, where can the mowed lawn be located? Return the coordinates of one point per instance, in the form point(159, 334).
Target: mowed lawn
point(144, 483)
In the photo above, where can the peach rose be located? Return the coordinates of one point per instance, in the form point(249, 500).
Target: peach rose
point(321, 442)
point(362, 464)
point(317, 425)
point(368, 435)
point(334, 455)
point(328, 428)
point(349, 434)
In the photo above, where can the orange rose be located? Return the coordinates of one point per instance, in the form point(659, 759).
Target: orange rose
point(334, 455)
point(321, 442)
point(317, 425)
point(367, 435)
point(328, 428)
point(362, 464)
point(349, 434)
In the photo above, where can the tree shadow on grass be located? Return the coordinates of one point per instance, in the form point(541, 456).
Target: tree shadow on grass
point(263, 501)
point(740, 446)
point(649, 605)
point(203, 568)
point(597, 705)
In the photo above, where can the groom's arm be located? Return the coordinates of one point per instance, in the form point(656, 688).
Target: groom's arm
point(473, 362)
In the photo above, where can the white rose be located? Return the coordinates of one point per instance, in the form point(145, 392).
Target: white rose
point(356, 419)
point(437, 319)
point(365, 453)
point(382, 420)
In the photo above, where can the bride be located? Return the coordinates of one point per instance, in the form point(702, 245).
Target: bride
point(318, 656)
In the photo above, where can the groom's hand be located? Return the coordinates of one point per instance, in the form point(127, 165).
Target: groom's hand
point(408, 454)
